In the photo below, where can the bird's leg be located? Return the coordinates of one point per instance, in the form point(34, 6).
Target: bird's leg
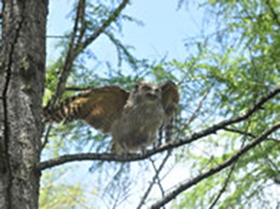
point(124, 150)
point(168, 131)
point(143, 150)
point(159, 141)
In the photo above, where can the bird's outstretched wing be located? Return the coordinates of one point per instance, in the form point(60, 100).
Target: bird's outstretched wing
point(99, 107)
point(170, 100)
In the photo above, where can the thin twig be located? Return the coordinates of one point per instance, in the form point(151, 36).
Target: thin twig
point(158, 179)
point(71, 54)
point(105, 24)
point(45, 141)
point(83, 23)
point(223, 189)
point(193, 116)
point(247, 133)
point(66, 66)
point(57, 36)
point(78, 88)
point(156, 176)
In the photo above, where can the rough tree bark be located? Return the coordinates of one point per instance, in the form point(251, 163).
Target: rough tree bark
point(22, 71)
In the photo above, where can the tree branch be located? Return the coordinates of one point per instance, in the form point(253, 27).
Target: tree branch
point(215, 170)
point(71, 54)
point(67, 65)
point(170, 145)
point(105, 24)
point(156, 176)
point(46, 137)
point(223, 189)
point(245, 133)
point(199, 106)
point(74, 88)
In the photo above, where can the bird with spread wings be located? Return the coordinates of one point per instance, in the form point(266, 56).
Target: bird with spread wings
point(132, 118)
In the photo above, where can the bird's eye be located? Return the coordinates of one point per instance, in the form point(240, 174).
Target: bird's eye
point(157, 90)
point(146, 88)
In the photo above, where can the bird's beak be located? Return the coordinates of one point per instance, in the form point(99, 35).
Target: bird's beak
point(152, 96)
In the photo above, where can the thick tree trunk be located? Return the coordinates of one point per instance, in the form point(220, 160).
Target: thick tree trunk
point(22, 71)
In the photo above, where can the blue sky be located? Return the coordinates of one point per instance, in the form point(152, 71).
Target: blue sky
point(163, 34)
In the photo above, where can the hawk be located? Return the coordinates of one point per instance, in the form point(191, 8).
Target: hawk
point(132, 118)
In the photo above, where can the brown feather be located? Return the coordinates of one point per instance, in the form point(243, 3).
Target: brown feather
point(170, 98)
point(99, 107)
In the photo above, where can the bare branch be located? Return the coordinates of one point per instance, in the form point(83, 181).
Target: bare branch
point(158, 179)
point(193, 116)
point(73, 88)
point(105, 24)
point(57, 36)
point(45, 141)
point(245, 133)
point(67, 65)
point(215, 170)
point(83, 23)
point(223, 189)
point(156, 176)
point(71, 54)
point(170, 145)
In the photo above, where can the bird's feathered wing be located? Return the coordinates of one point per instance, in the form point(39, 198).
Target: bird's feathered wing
point(170, 99)
point(99, 107)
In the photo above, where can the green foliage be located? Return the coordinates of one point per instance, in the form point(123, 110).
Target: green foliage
point(243, 69)
point(225, 73)
point(57, 195)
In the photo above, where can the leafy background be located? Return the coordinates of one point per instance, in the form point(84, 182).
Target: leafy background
point(224, 56)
